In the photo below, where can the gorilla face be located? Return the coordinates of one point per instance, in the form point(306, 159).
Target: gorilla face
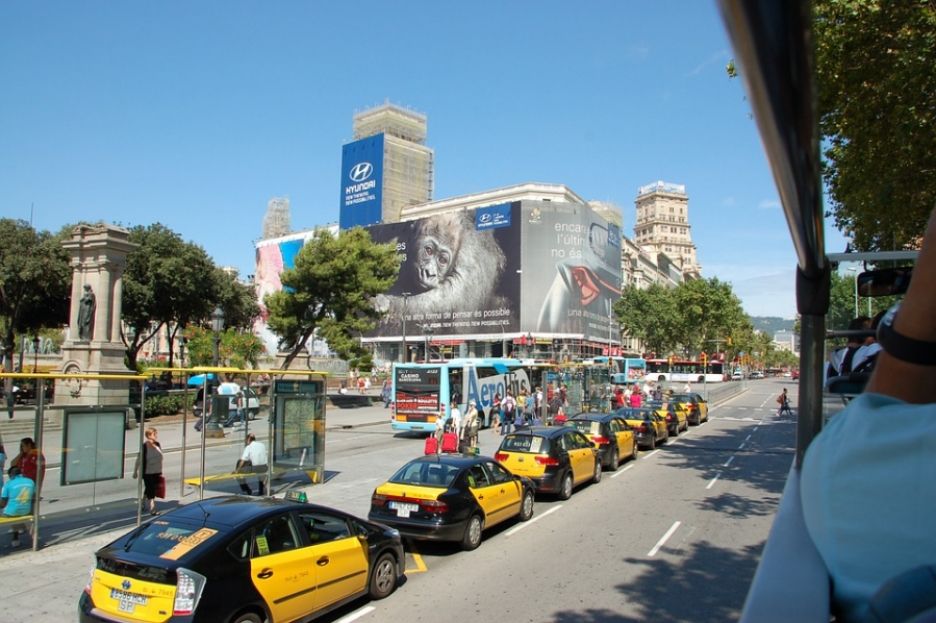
point(434, 262)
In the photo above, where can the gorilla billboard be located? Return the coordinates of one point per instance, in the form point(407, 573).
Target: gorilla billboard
point(548, 268)
point(459, 274)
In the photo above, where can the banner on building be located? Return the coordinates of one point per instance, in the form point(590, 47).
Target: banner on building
point(362, 182)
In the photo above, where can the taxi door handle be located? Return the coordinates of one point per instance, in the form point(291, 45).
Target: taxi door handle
point(480, 497)
point(322, 561)
point(265, 573)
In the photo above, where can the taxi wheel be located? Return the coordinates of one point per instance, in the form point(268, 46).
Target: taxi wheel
point(598, 471)
point(472, 538)
point(384, 578)
point(634, 452)
point(615, 459)
point(526, 506)
point(249, 617)
point(565, 491)
point(652, 445)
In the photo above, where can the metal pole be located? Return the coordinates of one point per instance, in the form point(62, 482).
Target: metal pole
point(204, 412)
point(184, 426)
point(142, 470)
point(856, 294)
point(40, 461)
point(405, 296)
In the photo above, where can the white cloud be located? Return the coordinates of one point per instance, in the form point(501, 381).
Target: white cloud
point(768, 204)
point(728, 202)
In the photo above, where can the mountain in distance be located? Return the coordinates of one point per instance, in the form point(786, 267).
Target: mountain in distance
point(771, 324)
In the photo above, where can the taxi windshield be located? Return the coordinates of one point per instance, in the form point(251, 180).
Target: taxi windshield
point(426, 473)
point(586, 427)
point(169, 539)
point(533, 444)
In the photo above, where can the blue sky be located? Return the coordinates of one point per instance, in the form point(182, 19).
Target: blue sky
point(196, 114)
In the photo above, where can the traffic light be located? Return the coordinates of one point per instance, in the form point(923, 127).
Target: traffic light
point(704, 358)
point(670, 361)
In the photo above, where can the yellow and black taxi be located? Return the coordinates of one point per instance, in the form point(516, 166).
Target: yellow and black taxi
point(694, 404)
point(677, 418)
point(650, 427)
point(556, 459)
point(451, 498)
point(613, 436)
point(237, 559)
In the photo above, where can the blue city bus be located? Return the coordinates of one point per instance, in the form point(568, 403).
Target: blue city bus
point(624, 370)
point(423, 392)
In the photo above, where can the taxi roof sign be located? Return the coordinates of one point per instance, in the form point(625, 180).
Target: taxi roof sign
point(297, 496)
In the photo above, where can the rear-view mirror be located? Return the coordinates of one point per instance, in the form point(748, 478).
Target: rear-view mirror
point(885, 281)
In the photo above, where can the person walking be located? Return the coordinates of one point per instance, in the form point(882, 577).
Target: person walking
point(497, 414)
point(151, 458)
point(784, 401)
point(385, 392)
point(508, 412)
point(455, 420)
point(253, 460)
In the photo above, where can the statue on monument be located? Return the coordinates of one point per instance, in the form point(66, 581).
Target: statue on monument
point(86, 314)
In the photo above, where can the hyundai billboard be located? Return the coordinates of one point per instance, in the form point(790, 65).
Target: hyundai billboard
point(362, 182)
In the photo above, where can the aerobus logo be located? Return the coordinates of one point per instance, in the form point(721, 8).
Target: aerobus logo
point(482, 392)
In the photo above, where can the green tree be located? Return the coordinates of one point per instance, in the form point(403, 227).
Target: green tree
point(876, 67)
point(709, 311)
point(35, 281)
point(331, 289)
point(168, 283)
point(650, 315)
point(236, 349)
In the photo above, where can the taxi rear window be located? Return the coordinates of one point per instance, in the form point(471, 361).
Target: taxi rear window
point(525, 443)
point(426, 473)
point(586, 427)
point(169, 540)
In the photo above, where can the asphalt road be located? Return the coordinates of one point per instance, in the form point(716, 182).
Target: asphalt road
point(673, 536)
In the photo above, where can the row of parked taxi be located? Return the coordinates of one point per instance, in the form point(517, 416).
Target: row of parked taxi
point(239, 559)
point(456, 497)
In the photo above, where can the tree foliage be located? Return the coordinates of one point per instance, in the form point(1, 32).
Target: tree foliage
point(236, 349)
point(876, 64)
point(331, 291)
point(35, 281)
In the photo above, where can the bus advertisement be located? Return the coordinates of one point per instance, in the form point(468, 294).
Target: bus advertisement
point(684, 371)
point(423, 392)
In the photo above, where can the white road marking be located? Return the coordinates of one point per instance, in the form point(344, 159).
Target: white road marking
point(663, 540)
point(739, 419)
point(520, 527)
point(747, 439)
point(712, 482)
point(728, 462)
point(756, 427)
point(741, 447)
point(621, 471)
point(357, 614)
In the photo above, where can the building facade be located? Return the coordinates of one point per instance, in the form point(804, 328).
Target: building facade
point(662, 225)
point(387, 167)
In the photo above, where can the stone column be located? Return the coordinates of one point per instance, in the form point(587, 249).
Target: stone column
point(98, 259)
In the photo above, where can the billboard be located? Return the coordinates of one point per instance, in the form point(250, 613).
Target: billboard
point(459, 276)
point(362, 182)
point(571, 270)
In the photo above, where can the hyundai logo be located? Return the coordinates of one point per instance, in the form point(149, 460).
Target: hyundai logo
point(361, 171)
point(486, 218)
point(125, 585)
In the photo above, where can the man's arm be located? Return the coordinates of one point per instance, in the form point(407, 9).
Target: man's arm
point(891, 376)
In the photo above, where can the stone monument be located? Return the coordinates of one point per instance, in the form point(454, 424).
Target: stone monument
point(93, 345)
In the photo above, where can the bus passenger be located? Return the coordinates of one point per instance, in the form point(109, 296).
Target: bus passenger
point(868, 491)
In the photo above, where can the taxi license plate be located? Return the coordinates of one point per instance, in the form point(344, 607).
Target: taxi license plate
point(403, 509)
point(126, 602)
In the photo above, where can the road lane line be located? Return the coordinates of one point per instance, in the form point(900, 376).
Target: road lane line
point(621, 471)
point(728, 462)
point(747, 439)
point(756, 427)
point(357, 614)
point(651, 453)
point(741, 447)
point(712, 481)
point(663, 540)
point(517, 529)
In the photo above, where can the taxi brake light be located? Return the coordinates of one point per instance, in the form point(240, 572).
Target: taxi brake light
point(87, 588)
point(434, 506)
point(189, 587)
point(500, 456)
point(378, 499)
point(546, 460)
point(669, 417)
point(600, 441)
point(644, 428)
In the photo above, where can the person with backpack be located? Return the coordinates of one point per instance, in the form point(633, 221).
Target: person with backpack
point(509, 406)
point(784, 401)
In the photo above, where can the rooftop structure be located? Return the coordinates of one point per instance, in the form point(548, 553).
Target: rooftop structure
point(276, 221)
point(662, 225)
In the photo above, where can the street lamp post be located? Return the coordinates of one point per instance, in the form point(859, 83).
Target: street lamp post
point(855, 270)
point(213, 425)
point(36, 343)
point(404, 353)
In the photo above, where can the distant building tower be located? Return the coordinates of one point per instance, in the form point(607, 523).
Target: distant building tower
point(386, 168)
point(276, 220)
point(662, 225)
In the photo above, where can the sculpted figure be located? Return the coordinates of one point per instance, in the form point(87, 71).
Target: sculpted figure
point(86, 308)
